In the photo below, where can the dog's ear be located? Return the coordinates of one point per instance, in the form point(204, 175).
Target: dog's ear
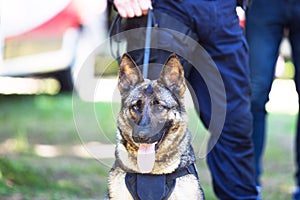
point(172, 75)
point(129, 74)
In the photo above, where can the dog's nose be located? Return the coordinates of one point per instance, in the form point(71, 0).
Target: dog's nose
point(141, 135)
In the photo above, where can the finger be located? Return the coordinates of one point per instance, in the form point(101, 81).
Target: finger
point(122, 12)
point(145, 4)
point(145, 12)
point(124, 8)
point(132, 8)
point(120, 5)
point(129, 11)
point(136, 8)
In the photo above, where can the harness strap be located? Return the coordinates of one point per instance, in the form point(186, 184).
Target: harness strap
point(156, 187)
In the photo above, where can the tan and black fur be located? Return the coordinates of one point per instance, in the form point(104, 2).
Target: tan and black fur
point(153, 111)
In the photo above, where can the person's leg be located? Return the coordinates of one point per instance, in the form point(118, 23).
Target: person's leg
point(264, 31)
point(216, 24)
point(295, 42)
point(231, 159)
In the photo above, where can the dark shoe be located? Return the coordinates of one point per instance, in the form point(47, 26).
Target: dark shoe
point(259, 195)
point(296, 194)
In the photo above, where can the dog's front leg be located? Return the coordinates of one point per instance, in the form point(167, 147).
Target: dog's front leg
point(117, 188)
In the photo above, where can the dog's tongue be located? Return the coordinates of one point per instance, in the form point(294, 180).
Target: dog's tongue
point(146, 157)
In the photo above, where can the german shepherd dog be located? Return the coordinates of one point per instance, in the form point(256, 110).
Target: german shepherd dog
point(154, 156)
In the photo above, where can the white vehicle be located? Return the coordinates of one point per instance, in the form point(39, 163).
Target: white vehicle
point(41, 38)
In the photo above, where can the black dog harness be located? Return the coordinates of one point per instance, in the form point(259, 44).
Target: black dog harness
point(155, 187)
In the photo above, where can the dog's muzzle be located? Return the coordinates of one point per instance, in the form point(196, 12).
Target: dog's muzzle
point(150, 134)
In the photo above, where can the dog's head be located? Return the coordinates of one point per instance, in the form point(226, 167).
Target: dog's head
point(151, 111)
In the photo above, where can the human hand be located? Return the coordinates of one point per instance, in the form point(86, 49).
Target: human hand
point(132, 8)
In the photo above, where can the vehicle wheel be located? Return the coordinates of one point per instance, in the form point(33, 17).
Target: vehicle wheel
point(65, 80)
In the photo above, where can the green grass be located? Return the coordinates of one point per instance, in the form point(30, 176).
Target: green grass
point(27, 121)
point(58, 178)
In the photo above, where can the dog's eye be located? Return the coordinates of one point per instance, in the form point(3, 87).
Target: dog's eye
point(135, 108)
point(158, 106)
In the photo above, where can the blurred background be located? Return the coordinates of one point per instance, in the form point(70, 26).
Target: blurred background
point(44, 152)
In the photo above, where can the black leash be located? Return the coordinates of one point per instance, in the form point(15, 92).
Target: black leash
point(116, 25)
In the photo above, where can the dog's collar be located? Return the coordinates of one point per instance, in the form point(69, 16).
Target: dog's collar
point(156, 187)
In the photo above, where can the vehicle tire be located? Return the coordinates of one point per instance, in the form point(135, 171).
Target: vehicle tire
point(65, 80)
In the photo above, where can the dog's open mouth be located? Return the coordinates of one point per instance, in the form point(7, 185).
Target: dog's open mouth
point(148, 148)
point(146, 154)
point(146, 157)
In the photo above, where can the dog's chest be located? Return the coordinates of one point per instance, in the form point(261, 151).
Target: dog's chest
point(186, 187)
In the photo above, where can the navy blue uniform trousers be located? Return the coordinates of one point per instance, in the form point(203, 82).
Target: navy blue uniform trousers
point(216, 25)
point(265, 29)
